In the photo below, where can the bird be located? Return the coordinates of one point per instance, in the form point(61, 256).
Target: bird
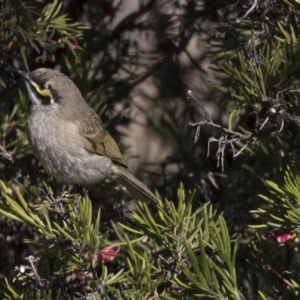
point(68, 137)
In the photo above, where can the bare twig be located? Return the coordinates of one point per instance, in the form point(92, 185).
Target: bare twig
point(276, 115)
point(264, 123)
point(32, 260)
point(225, 130)
point(223, 141)
point(5, 154)
point(241, 150)
point(201, 105)
point(238, 20)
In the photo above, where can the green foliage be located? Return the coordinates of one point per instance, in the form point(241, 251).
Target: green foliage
point(282, 204)
point(183, 252)
point(22, 27)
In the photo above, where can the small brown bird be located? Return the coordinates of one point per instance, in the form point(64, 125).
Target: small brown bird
point(68, 137)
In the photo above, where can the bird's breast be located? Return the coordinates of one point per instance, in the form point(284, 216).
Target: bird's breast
point(58, 146)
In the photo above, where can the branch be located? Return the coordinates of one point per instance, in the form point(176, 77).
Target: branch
point(224, 130)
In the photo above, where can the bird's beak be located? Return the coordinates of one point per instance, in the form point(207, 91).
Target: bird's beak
point(23, 74)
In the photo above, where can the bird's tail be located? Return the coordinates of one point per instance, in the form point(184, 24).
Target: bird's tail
point(135, 187)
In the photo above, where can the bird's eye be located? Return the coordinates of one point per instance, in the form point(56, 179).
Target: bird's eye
point(44, 86)
point(42, 89)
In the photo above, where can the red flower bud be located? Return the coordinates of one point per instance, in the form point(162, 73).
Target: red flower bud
point(108, 253)
point(166, 45)
point(277, 236)
point(73, 42)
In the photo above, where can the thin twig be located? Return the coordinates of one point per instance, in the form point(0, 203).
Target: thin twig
point(225, 130)
point(5, 154)
point(229, 137)
point(241, 150)
point(238, 20)
point(32, 260)
point(201, 105)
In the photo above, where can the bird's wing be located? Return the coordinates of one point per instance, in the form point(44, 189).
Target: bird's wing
point(104, 144)
point(97, 140)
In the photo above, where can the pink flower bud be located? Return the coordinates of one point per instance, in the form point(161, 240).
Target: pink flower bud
point(283, 236)
point(277, 236)
point(108, 253)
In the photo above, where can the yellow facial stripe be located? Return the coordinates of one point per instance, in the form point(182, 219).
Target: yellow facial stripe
point(45, 92)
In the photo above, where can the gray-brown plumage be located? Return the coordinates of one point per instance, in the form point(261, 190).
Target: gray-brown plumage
point(68, 137)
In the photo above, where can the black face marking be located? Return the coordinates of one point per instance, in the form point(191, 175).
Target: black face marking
point(56, 96)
